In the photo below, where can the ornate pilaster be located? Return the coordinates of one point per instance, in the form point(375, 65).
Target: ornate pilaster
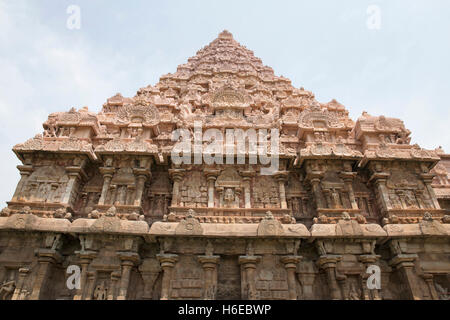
point(211, 176)
point(328, 264)
point(75, 173)
point(367, 260)
point(348, 181)
point(167, 262)
point(247, 177)
point(428, 277)
point(129, 259)
point(209, 264)
point(248, 267)
point(404, 263)
point(379, 179)
point(107, 173)
point(282, 178)
point(115, 277)
point(176, 175)
point(86, 258)
point(290, 264)
point(46, 257)
point(314, 179)
point(91, 280)
point(427, 178)
point(142, 176)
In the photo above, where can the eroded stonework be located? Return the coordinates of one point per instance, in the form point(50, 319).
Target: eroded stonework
point(102, 192)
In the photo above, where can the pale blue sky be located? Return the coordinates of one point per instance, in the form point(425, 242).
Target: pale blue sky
point(400, 70)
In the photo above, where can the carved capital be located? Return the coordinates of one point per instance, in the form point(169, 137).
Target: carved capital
point(403, 261)
point(167, 260)
point(328, 261)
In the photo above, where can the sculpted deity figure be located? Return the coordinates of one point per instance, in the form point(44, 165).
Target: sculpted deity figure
point(229, 196)
point(7, 289)
point(51, 128)
point(101, 292)
point(111, 212)
point(410, 200)
point(403, 137)
point(395, 200)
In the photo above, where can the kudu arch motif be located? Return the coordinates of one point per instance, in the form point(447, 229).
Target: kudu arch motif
point(102, 191)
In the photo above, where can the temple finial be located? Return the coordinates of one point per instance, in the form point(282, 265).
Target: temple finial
point(225, 34)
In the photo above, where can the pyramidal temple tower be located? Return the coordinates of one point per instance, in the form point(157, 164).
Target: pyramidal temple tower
point(223, 181)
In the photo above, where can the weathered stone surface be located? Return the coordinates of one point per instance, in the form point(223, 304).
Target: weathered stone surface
point(104, 192)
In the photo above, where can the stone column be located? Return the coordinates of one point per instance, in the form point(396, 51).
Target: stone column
point(46, 257)
point(247, 177)
point(129, 259)
point(167, 262)
point(107, 176)
point(314, 179)
point(211, 176)
point(404, 263)
point(380, 179)
point(428, 277)
point(142, 175)
point(73, 177)
point(25, 172)
point(328, 263)
point(427, 178)
point(247, 196)
point(248, 266)
point(209, 264)
point(92, 279)
point(290, 264)
point(85, 259)
point(177, 176)
point(367, 260)
point(75, 174)
point(115, 276)
point(282, 178)
point(348, 181)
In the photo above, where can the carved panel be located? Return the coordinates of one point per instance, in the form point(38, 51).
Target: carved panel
point(45, 184)
point(265, 193)
point(194, 191)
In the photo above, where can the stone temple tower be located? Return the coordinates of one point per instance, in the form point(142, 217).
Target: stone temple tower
point(223, 181)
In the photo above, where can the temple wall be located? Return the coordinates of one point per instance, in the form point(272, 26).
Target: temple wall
point(106, 195)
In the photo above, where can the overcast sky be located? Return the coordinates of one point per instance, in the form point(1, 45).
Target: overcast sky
point(384, 57)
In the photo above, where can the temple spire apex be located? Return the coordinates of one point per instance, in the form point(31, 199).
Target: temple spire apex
point(225, 34)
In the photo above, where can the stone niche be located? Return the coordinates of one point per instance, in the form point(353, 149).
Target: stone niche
point(90, 194)
point(159, 194)
point(228, 189)
point(123, 187)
